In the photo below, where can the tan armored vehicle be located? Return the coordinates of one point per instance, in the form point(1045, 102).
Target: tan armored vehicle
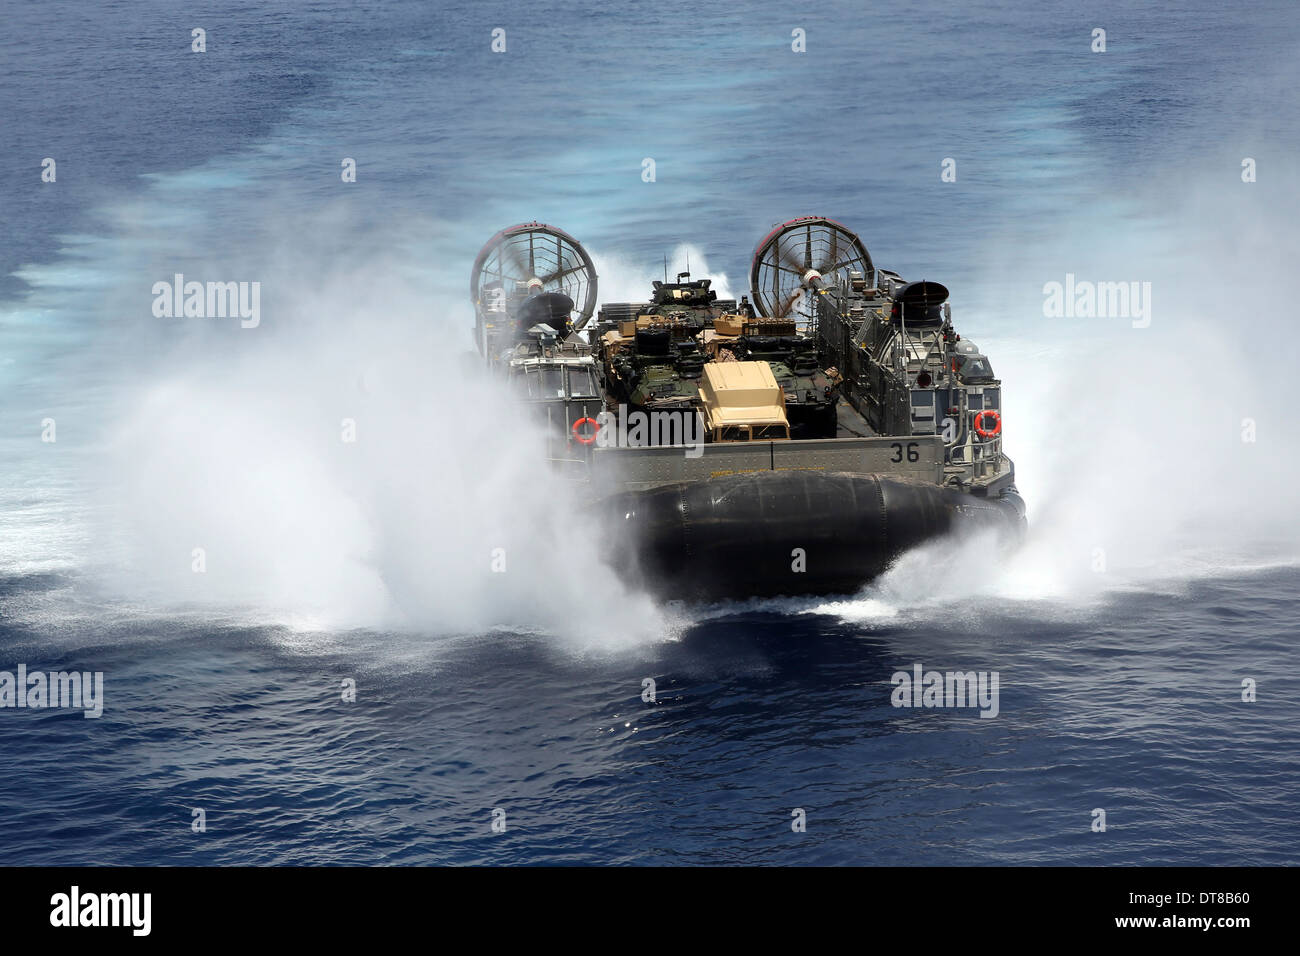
point(743, 402)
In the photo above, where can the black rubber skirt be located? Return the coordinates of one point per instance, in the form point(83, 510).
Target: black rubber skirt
point(786, 532)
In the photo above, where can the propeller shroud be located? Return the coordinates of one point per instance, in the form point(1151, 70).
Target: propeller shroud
point(533, 257)
point(801, 256)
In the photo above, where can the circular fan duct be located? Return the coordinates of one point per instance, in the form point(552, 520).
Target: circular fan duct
point(528, 260)
point(803, 255)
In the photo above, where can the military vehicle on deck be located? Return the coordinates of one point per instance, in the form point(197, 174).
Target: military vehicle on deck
point(742, 401)
point(651, 354)
point(810, 391)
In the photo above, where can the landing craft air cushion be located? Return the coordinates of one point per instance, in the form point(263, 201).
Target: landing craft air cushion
point(841, 419)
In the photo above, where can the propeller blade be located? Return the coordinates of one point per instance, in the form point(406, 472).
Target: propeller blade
point(788, 305)
point(512, 259)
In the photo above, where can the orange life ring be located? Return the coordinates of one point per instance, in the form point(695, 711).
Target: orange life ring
point(988, 432)
point(595, 429)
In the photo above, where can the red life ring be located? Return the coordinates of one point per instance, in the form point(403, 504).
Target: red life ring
point(595, 429)
point(988, 432)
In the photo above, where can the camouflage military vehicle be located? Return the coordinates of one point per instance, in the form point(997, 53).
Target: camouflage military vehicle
point(811, 392)
point(651, 353)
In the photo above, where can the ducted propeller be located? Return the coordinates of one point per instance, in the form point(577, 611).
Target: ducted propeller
point(802, 256)
point(526, 261)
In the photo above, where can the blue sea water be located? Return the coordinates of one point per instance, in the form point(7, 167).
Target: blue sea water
point(1162, 568)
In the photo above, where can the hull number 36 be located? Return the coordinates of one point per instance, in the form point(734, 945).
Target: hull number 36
point(912, 453)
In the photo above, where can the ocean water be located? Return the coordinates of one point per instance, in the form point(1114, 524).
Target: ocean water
point(1159, 586)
